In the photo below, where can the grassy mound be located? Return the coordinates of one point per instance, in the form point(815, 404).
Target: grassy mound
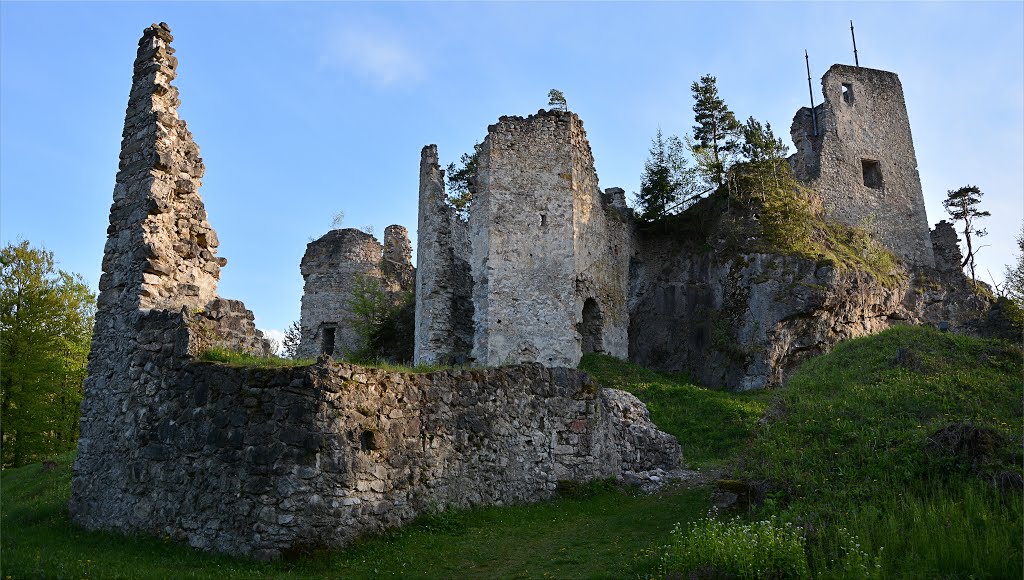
point(909, 440)
point(711, 425)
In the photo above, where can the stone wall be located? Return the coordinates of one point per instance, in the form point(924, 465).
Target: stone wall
point(444, 286)
point(255, 462)
point(158, 291)
point(862, 163)
point(333, 267)
point(547, 251)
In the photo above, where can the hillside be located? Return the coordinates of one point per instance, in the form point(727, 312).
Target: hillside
point(908, 441)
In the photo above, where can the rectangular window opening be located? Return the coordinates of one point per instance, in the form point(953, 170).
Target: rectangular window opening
point(848, 93)
point(872, 173)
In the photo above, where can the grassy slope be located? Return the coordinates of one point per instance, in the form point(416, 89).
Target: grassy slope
point(855, 444)
point(845, 448)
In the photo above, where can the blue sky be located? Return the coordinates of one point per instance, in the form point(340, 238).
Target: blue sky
point(302, 110)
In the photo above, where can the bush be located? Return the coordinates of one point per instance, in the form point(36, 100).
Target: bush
point(711, 548)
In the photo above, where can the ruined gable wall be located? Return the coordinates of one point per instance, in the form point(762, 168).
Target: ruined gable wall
point(444, 308)
point(522, 237)
point(873, 125)
point(602, 247)
point(159, 263)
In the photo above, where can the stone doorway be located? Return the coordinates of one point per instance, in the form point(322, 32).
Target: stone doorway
point(591, 330)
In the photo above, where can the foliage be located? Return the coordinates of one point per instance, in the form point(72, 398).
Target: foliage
point(590, 536)
point(712, 548)
point(385, 323)
point(668, 185)
point(962, 206)
point(557, 100)
point(760, 143)
point(243, 359)
point(46, 318)
point(291, 341)
point(461, 184)
point(717, 131)
point(1013, 285)
point(337, 219)
point(893, 437)
point(710, 424)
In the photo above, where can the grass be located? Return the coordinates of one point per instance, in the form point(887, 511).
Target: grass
point(242, 359)
point(711, 425)
point(898, 438)
point(594, 534)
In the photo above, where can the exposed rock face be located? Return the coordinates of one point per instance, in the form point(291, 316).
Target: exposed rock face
point(336, 265)
point(547, 251)
point(747, 323)
point(862, 162)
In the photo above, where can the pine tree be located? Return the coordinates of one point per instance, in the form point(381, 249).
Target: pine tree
point(461, 186)
point(1013, 285)
point(962, 205)
point(667, 183)
point(291, 341)
point(716, 132)
point(556, 100)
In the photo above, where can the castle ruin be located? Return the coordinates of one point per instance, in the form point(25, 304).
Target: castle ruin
point(259, 461)
point(542, 261)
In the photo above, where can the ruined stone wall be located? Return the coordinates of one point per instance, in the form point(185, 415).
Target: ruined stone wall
point(255, 462)
point(333, 267)
point(542, 245)
point(863, 163)
point(444, 286)
point(159, 263)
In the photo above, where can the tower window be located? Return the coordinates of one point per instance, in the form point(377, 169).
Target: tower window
point(872, 173)
point(848, 93)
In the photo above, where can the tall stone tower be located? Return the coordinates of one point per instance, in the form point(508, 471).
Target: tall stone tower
point(550, 251)
point(862, 160)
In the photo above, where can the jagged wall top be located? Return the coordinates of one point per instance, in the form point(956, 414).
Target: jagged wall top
point(161, 250)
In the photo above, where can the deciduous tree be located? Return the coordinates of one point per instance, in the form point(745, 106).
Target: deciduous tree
point(46, 318)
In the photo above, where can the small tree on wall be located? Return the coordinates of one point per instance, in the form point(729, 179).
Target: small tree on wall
point(556, 100)
point(962, 206)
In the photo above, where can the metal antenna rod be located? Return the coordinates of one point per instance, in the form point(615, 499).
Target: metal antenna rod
point(856, 61)
point(814, 114)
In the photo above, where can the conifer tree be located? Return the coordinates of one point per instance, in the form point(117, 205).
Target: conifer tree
point(667, 183)
point(717, 131)
point(556, 100)
point(962, 206)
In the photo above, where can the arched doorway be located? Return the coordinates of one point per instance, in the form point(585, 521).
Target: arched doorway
point(591, 334)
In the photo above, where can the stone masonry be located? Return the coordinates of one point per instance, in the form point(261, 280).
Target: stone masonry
point(548, 250)
point(333, 267)
point(862, 163)
point(258, 462)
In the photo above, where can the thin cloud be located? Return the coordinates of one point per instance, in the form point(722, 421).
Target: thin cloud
point(373, 52)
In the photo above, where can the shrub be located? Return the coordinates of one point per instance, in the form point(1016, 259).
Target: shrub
point(714, 548)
